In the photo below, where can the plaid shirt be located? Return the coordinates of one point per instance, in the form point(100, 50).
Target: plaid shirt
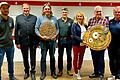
point(101, 21)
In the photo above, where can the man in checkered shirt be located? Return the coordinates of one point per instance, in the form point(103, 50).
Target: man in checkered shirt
point(98, 56)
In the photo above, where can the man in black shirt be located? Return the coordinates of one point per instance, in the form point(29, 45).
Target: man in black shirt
point(25, 39)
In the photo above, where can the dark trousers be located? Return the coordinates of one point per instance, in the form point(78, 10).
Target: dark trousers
point(98, 61)
point(61, 46)
point(114, 59)
point(45, 45)
point(25, 51)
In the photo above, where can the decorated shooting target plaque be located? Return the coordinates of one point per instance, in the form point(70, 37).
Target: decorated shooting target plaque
point(97, 37)
point(47, 29)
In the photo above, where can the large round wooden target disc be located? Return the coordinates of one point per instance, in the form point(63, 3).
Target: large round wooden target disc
point(97, 37)
point(47, 29)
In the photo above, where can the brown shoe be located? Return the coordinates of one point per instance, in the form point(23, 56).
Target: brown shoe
point(59, 74)
point(69, 72)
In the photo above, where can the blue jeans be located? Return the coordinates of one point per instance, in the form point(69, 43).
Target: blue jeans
point(45, 46)
point(10, 55)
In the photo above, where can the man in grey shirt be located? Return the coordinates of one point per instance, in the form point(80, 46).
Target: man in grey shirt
point(6, 42)
point(64, 41)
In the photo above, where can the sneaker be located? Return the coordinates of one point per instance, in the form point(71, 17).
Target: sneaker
point(78, 76)
point(69, 72)
point(79, 72)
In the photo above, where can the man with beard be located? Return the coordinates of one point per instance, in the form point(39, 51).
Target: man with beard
point(6, 41)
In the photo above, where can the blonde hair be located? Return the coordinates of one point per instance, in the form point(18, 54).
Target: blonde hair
point(75, 18)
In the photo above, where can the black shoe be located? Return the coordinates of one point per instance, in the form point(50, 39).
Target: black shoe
point(117, 77)
point(54, 76)
point(33, 76)
point(70, 73)
point(43, 75)
point(26, 75)
point(94, 75)
point(59, 73)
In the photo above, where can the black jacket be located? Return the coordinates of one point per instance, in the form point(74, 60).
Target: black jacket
point(24, 30)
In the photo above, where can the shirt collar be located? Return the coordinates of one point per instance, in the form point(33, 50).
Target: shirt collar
point(64, 20)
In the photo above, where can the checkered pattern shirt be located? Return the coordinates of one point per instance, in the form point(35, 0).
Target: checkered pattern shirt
point(102, 21)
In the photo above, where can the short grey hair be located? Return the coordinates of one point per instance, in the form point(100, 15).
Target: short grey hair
point(97, 7)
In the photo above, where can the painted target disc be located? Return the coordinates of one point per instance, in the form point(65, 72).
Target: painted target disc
point(97, 37)
point(47, 29)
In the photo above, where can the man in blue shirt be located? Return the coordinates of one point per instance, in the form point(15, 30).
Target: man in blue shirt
point(47, 42)
point(114, 47)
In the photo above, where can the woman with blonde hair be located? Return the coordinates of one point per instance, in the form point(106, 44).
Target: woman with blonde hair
point(78, 29)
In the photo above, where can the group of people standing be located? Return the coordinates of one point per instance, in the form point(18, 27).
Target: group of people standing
point(69, 33)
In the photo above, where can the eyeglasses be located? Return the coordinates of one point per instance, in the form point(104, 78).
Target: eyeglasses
point(117, 12)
